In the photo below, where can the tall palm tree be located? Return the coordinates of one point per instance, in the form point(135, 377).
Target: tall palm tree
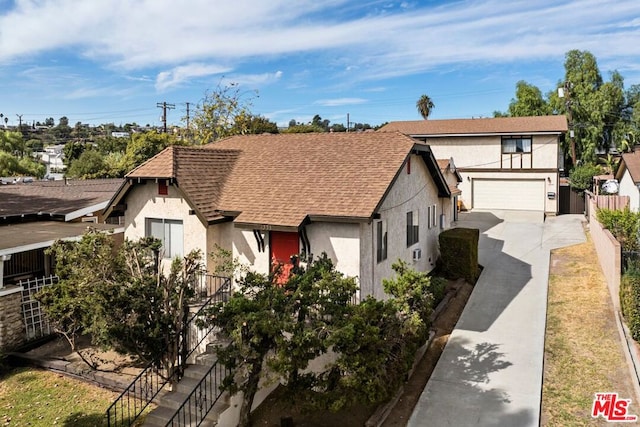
point(425, 106)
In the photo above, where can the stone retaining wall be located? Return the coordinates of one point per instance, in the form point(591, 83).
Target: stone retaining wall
point(12, 333)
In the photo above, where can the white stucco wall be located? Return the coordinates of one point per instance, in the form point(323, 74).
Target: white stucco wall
point(628, 188)
point(341, 242)
point(486, 152)
point(144, 202)
point(411, 192)
point(480, 152)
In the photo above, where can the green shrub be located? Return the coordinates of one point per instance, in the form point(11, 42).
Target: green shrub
point(630, 301)
point(581, 177)
point(623, 224)
point(438, 288)
point(459, 253)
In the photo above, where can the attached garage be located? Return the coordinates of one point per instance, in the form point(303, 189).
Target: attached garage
point(511, 194)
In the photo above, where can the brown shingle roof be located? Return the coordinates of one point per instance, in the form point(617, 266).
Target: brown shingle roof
point(199, 172)
point(630, 161)
point(282, 179)
point(54, 198)
point(499, 125)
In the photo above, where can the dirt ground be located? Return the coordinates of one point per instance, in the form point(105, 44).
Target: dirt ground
point(269, 414)
point(106, 361)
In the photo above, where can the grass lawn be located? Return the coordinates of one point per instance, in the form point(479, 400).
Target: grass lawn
point(31, 397)
point(583, 351)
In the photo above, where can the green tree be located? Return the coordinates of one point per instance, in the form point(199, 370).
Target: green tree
point(528, 101)
point(581, 177)
point(254, 319)
point(250, 124)
point(144, 146)
point(302, 128)
point(89, 165)
point(216, 115)
point(120, 296)
point(72, 151)
point(425, 106)
point(12, 143)
point(593, 107)
point(63, 130)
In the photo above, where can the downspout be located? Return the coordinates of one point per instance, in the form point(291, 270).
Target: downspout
point(373, 262)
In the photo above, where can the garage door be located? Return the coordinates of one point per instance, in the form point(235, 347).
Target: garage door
point(518, 194)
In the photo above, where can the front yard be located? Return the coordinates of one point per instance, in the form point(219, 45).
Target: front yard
point(32, 397)
point(583, 350)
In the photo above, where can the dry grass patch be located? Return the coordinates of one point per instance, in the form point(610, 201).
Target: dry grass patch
point(583, 352)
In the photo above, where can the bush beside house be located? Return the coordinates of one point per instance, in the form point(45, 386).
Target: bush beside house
point(630, 299)
point(459, 253)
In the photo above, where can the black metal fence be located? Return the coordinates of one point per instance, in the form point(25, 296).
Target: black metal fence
point(132, 402)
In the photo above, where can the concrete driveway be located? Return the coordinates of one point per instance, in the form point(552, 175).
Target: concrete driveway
point(490, 373)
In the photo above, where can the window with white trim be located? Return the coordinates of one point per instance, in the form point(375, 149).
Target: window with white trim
point(413, 229)
point(381, 241)
point(170, 232)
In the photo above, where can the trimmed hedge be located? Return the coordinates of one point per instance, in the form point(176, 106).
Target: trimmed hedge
point(459, 253)
point(630, 301)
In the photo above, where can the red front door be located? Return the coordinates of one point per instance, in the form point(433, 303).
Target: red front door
point(282, 246)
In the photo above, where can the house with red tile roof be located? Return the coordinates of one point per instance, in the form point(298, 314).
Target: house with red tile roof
point(505, 163)
point(628, 175)
point(365, 199)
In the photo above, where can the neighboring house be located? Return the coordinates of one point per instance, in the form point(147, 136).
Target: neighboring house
point(505, 163)
point(33, 215)
point(628, 176)
point(366, 199)
point(453, 178)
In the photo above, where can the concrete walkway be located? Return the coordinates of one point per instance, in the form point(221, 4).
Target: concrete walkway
point(490, 373)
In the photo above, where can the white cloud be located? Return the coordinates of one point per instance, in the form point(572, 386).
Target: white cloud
point(254, 79)
point(340, 102)
point(183, 73)
point(386, 42)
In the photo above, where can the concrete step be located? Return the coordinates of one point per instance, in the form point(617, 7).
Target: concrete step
point(206, 359)
point(196, 371)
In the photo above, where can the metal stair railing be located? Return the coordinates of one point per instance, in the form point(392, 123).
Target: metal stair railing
point(202, 398)
point(132, 402)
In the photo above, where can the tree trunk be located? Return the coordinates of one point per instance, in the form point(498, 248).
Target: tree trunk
point(250, 393)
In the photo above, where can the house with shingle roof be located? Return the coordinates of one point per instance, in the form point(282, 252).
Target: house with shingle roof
point(35, 214)
point(505, 163)
point(628, 175)
point(365, 199)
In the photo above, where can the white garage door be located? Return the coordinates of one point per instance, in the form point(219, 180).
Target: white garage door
point(518, 194)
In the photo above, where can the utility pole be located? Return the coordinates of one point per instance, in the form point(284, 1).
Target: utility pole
point(347, 122)
point(565, 92)
point(19, 122)
point(188, 116)
point(164, 107)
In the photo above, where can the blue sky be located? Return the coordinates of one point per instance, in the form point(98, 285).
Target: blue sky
point(99, 61)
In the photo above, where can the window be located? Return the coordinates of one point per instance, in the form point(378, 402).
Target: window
point(412, 228)
point(429, 217)
point(516, 144)
point(170, 232)
point(381, 241)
